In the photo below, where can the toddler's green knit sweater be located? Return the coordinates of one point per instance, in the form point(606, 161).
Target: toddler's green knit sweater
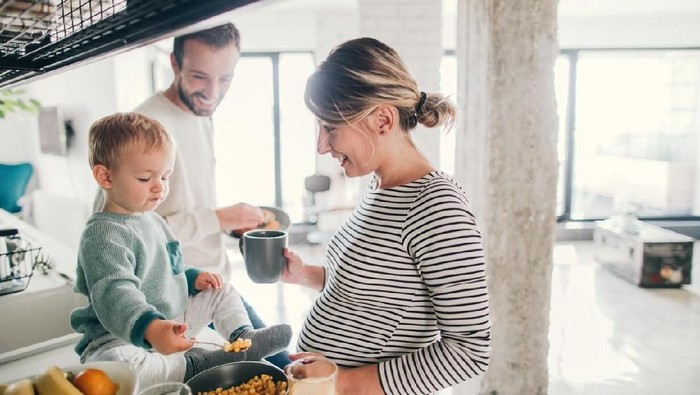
point(132, 272)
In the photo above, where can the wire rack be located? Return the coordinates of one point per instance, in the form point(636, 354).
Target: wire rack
point(17, 268)
point(42, 36)
point(28, 24)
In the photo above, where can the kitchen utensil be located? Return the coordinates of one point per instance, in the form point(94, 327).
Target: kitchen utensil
point(220, 345)
point(232, 374)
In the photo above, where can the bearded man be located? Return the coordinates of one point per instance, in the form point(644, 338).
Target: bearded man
point(203, 65)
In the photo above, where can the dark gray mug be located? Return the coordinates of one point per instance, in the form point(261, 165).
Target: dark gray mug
point(263, 252)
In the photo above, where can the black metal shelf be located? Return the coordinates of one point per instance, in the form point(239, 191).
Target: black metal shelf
point(38, 37)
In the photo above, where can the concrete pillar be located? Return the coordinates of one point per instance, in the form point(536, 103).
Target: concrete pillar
point(506, 160)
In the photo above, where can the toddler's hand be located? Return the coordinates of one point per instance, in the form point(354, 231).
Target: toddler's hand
point(208, 280)
point(167, 336)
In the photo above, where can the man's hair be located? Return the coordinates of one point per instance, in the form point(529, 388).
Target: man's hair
point(110, 135)
point(217, 37)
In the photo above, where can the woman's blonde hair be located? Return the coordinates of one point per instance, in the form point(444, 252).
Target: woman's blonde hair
point(361, 74)
point(110, 135)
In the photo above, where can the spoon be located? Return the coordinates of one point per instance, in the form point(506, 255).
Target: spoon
point(236, 346)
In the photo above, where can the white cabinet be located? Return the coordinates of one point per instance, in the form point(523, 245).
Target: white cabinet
point(648, 256)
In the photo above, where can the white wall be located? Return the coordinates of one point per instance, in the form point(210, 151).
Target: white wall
point(630, 31)
point(121, 82)
point(65, 185)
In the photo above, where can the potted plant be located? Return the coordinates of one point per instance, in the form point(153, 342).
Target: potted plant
point(12, 100)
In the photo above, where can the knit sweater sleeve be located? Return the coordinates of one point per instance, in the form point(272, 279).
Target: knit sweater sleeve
point(441, 234)
point(108, 262)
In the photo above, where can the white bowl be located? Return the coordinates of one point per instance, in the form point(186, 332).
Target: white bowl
point(120, 373)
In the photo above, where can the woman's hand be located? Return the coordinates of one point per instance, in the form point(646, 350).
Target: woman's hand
point(167, 336)
point(293, 271)
point(296, 272)
point(361, 380)
point(309, 364)
point(208, 280)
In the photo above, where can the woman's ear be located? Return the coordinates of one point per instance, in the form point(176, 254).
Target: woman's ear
point(386, 118)
point(102, 176)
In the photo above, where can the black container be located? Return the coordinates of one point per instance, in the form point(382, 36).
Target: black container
point(233, 374)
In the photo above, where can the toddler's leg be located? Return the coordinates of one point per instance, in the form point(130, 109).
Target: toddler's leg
point(223, 307)
point(281, 359)
point(265, 342)
point(150, 367)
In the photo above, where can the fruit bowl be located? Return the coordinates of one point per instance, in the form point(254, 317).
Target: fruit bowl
point(119, 372)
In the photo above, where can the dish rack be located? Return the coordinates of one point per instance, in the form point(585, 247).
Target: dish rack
point(17, 268)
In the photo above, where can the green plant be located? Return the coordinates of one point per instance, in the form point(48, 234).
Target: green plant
point(11, 100)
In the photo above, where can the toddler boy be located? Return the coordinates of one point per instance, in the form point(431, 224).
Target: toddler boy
point(144, 302)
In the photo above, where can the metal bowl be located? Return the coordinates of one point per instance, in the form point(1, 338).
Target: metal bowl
point(232, 374)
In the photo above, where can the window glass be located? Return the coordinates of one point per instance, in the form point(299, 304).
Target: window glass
point(561, 84)
point(448, 86)
point(297, 131)
point(636, 133)
point(244, 136)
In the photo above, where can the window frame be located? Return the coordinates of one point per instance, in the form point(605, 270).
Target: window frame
point(274, 57)
point(573, 55)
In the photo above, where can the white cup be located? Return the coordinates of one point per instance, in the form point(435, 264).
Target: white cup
point(312, 375)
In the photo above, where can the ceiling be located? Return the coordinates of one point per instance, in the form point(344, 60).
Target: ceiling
point(617, 8)
point(567, 8)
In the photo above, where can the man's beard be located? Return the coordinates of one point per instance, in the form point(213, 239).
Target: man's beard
point(189, 102)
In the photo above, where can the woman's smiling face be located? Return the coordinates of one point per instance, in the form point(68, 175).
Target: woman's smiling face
point(352, 145)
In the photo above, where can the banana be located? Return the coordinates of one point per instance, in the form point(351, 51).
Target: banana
point(54, 382)
point(22, 387)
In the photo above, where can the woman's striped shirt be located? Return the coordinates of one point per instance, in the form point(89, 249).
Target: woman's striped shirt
point(405, 288)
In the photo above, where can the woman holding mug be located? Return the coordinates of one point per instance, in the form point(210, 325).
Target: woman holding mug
point(403, 304)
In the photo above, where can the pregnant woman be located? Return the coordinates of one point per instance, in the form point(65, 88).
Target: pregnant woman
point(403, 305)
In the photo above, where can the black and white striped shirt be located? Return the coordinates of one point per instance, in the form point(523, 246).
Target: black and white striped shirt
point(405, 288)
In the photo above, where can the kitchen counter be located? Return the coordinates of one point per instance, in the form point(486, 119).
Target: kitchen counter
point(36, 319)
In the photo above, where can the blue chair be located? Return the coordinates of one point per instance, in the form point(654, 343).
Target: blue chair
point(13, 184)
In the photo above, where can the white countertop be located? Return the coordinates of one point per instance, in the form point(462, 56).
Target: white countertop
point(36, 319)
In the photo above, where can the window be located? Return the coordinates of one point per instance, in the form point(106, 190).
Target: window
point(629, 122)
point(264, 136)
point(635, 134)
point(561, 86)
point(448, 86)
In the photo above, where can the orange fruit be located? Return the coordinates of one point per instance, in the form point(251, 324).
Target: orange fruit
point(94, 382)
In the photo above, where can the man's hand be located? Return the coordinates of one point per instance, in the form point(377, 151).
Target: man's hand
point(167, 336)
point(240, 216)
point(208, 280)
